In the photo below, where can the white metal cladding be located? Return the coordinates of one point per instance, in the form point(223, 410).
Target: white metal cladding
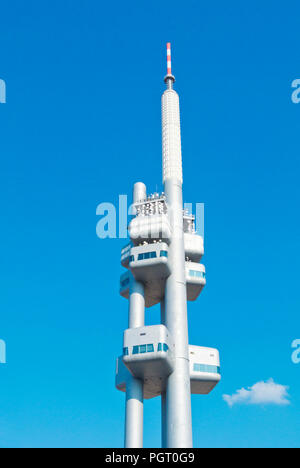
point(171, 139)
point(150, 262)
point(193, 246)
point(195, 279)
point(202, 383)
point(153, 387)
point(156, 362)
point(154, 291)
point(195, 273)
point(145, 228)
point(204, 369)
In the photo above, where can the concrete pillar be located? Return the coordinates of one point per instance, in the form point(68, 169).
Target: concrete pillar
point(135, 387)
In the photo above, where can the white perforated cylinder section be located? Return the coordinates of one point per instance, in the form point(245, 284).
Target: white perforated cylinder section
point(171, 139)
point(139, 192)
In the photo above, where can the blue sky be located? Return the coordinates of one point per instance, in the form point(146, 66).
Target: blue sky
point(80, 126)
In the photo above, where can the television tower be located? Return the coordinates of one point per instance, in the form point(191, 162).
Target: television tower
point(163, 266)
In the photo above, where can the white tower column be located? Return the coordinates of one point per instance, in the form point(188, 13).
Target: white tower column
point(135, 387)
point(178, 394)
point(163, 395)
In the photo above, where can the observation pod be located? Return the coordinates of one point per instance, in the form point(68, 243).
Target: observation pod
point(153, 290)
point(204, 369)
point(150, 261)
point(152, 387)
point(195, 279)
point(148, 352)
point(193, 247)
point(204, 373)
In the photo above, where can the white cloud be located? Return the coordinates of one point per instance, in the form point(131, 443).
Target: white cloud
point(261, 393)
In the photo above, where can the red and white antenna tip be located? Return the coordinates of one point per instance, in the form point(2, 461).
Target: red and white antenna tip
point(169, 78)
point(169, 69)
